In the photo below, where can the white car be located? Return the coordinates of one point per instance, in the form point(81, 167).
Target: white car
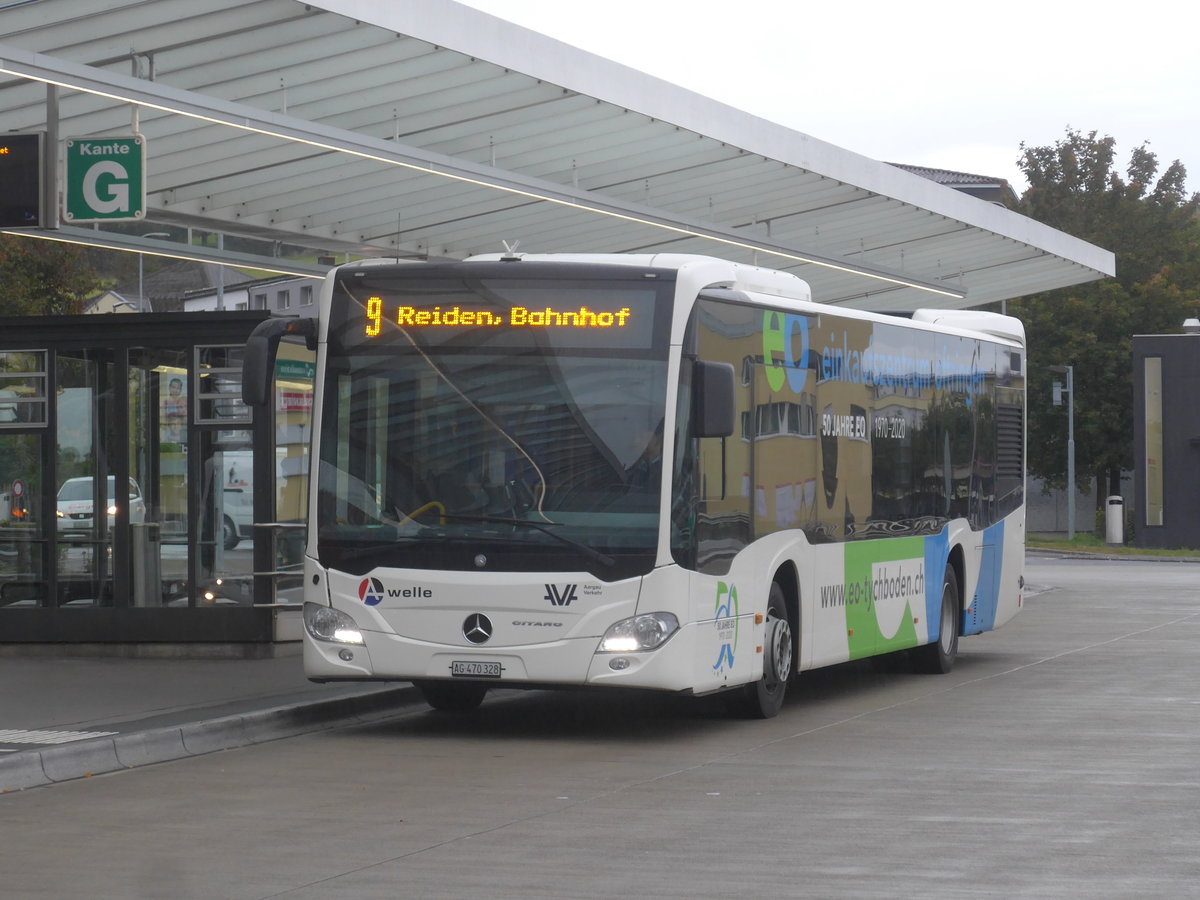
point(75, 503)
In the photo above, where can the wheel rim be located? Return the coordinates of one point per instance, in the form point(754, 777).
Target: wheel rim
point(779, 646)
point(947, 631)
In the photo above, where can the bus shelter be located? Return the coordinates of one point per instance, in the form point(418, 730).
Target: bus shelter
point(140, 499)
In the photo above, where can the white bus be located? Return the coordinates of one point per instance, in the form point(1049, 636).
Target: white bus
point(665, 472)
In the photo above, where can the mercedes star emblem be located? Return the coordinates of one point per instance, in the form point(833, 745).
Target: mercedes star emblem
point(477, 628)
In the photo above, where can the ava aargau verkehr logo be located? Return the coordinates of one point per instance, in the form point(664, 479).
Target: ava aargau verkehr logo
point(370, 591)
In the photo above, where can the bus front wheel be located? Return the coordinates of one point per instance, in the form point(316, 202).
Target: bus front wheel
point(451, 696)
point(938, 658)
point(229, 534)
point(763, 699)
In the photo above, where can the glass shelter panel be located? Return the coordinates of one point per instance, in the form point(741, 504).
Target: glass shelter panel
point(87, 499)
point(225, 561)
point(22, 388)
point(294, 372)
point(22, 545)
point(158, 442)
point(219, 399)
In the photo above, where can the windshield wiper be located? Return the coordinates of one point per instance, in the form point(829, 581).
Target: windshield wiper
point(367, 549)
point(587, 551)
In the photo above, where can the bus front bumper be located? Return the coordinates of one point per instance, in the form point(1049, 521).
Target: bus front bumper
point(570, 663)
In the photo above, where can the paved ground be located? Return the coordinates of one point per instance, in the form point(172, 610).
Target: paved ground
point(1057, 761)
point(67, 717)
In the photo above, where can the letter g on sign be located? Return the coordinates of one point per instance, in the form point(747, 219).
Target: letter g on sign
point(118, 193)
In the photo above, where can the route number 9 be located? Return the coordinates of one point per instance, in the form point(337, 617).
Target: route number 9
point(375, 315)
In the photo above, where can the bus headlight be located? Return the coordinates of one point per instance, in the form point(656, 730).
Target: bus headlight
point(325, 623)
point(645, 632)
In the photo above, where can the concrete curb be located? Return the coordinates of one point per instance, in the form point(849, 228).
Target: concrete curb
point(81, 759)
point(1046, 552)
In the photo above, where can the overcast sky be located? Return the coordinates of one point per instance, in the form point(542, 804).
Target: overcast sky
point(955, 85)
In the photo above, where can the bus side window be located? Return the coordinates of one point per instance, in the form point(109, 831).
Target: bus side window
point(713, 482)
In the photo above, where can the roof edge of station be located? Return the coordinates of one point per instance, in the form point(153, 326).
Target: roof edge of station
point(466, 30)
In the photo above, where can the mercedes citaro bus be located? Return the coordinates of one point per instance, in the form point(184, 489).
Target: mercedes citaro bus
point(665, 472)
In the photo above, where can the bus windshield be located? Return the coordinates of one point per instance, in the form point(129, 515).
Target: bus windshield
point(493, 444)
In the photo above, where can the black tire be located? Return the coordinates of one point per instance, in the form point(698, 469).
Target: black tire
point(452, 696)
point(229, 534)
point(763, 699)
point(938, 658)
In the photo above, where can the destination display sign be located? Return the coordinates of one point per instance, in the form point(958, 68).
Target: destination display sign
point(606, 314)
point(514, 317)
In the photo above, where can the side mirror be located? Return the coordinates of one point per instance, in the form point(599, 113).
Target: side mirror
point(258, 365)
point(712, 399)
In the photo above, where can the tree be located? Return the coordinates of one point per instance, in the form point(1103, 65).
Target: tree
point(44, 278)
point(1151, 225)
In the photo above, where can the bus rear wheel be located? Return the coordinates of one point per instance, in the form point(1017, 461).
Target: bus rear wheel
point(763, 699)
point(452, 696)
point(938, 658)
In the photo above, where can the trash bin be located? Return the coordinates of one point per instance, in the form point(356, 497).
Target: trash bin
point(1114, 521)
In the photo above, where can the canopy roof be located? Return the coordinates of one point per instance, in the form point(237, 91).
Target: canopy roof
point(425, 129)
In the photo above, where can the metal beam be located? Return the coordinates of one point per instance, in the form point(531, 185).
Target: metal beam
point(69, 234)
point(38, 67)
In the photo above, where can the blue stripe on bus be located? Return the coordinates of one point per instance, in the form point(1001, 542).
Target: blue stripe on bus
point(987, 591)
point(936, 553)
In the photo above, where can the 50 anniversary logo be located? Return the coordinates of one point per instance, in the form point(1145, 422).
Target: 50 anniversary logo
point(726, 620)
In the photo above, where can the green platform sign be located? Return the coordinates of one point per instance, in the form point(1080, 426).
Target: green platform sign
point(294, 368)
point(105, 179)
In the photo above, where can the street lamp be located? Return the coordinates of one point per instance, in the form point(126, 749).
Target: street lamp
point(1070, 392)
point(141, 279)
